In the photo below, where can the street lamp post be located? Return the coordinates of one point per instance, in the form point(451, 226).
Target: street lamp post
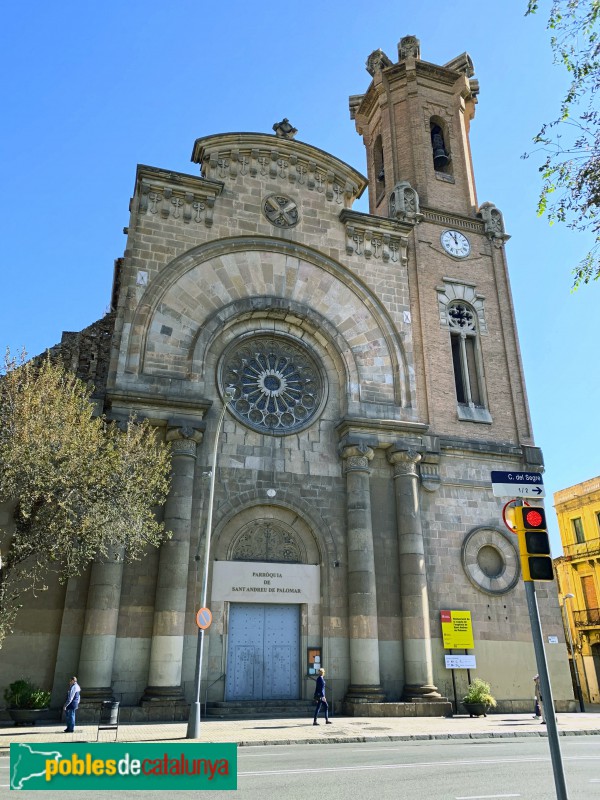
point(566, 597)
point(193, 729)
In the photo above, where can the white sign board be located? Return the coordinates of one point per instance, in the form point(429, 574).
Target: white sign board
point(264, 582)
point(517, 484)
point(460, 662)
point(552, 639)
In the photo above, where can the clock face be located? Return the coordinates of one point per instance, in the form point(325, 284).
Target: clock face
point(455, 243)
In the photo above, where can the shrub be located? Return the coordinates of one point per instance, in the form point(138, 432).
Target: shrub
point(24, 694)
point(479, 692)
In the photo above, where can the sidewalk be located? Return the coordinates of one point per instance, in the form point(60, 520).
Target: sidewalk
point(302, 731)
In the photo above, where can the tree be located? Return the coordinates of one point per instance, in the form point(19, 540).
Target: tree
point(77, 486)
point(571, 142)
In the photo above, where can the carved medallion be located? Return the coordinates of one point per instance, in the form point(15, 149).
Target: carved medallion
point(281, 211)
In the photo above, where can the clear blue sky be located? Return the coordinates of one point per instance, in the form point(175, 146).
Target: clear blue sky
point(92, 89)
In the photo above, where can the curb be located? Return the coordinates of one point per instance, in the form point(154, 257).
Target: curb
point(417, 737)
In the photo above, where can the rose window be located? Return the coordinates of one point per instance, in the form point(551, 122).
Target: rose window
point(277, 384)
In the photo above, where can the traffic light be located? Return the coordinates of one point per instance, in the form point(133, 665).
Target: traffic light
point(534, 545)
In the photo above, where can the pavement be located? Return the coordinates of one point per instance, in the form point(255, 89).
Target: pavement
point(301, 730)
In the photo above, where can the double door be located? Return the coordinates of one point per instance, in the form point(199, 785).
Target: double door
point(263, 655)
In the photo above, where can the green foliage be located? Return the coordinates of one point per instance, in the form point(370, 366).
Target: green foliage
point(23, 694)
point(570, 144)
point(480, 692)
point(81, 488)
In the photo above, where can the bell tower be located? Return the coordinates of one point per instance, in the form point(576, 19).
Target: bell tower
point(414, 120)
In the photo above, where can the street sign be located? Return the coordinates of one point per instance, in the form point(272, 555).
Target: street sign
point(518, 484)
point(203, 618)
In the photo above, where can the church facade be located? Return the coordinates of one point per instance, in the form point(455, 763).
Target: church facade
point(375, 379)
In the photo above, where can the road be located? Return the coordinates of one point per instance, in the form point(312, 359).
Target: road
point(486, 769)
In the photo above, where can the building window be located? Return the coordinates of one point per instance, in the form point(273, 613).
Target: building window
point(578, 530)
point(439, 146)
point(278, 385)
point(379, 168)
point(466, 356)
point(598, 520)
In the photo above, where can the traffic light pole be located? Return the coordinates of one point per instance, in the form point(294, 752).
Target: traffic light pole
point(547, 699)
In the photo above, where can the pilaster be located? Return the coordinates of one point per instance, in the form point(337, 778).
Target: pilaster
point(166, 654)
point(416, 635)
point(362, 592)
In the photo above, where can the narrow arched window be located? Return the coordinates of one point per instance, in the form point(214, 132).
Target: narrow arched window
point(378, 167)
point(466, 355)
point(439, 146)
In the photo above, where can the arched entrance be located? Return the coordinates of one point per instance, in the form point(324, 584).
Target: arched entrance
point(267, 588)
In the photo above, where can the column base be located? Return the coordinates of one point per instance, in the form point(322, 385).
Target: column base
point(364, 693)
point(414, 693)
point(162, 694)
point(96, 694)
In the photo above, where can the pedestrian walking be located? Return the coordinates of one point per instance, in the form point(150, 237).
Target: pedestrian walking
point(539, 705)
point(319, 696)
point(71, 704)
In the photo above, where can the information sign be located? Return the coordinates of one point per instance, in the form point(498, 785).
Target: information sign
point(460, 662)
point(457, 631)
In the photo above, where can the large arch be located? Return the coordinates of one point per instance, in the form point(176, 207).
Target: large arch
point(195, 287)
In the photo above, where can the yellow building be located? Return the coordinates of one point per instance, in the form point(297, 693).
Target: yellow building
point(578, 573)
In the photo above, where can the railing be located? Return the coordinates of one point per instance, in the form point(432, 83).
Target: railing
point(591, 616)
point(583, 550)
point(208, 686)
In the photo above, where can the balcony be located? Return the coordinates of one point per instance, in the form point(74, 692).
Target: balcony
point(589, 617)
point(587, 549)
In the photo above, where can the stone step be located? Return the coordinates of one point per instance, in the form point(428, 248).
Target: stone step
point(269, 709)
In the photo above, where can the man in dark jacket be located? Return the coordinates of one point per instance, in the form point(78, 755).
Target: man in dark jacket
point(321, 699)
point(71, 704)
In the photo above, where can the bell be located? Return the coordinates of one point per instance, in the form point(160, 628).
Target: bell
point(440, 158)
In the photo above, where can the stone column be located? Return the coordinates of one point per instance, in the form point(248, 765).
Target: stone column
point(166, 654)
point(100, 627)
point(362, 592)
point(416, 635)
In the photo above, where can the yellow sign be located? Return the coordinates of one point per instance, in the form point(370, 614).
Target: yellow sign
point(457, 630)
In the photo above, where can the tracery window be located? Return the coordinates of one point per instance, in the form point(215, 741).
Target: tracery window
point(277, 383)
point(466, 356)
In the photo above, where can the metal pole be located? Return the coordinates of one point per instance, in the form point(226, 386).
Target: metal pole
point(575, 667)
point(193, 729)
point(547, 700)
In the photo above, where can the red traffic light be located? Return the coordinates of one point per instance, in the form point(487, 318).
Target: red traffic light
point(534, 519)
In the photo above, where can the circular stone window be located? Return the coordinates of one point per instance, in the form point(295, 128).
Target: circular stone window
point(277, 383)
point(490, 560)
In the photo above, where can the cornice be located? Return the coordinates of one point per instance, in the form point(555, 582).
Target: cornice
point(148, 401)
point(227, 155)
point(366, 102)
point(376, 237)
point(582, 492)
point(380, 432)
point(175, 195)
point(448, 219)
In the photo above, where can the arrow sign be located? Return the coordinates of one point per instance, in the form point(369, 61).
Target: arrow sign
point(518, 484)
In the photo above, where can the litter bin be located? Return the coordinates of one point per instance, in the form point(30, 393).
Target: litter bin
point(109, 717)
point(110, 712)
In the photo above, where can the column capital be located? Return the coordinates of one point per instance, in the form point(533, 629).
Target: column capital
point(357, 457)
point(184, 438)
point(404, 460)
